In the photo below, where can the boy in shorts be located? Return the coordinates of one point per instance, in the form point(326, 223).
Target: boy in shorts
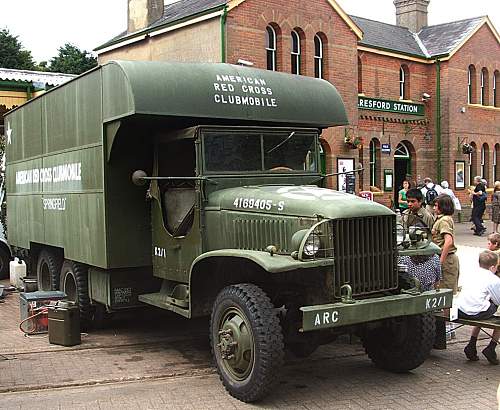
point(478, 300)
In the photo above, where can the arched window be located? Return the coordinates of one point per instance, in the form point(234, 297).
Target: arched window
point(271, 48)
point(484, 87)
point(485, 159)
point(295, 52)
point(472, 163)
point(496, 163)
point(375, 162)
point(404, 83)
point(471, 85)
point(360, 76)
point(318, 56)
point(495, 94)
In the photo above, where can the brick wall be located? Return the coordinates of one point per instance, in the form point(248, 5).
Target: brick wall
point(246, 39)
point(477, 124)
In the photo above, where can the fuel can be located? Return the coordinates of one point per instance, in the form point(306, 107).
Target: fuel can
point(64, 324)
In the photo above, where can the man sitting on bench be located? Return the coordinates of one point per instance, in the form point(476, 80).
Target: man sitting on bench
point(479, 300)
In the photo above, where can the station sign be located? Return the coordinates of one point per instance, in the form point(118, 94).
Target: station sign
point(385, 148)
point(399, 107)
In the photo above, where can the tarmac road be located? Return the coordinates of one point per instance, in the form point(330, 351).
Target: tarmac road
point(164, 361)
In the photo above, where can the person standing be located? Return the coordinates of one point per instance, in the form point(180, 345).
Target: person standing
point(478, 205)
point(448, 191)
point(430, 191)
point(443, 235)
point(495, 207)
point(402, 202)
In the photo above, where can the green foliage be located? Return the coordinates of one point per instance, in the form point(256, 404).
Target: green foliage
point(72, 60)
point(12, 53)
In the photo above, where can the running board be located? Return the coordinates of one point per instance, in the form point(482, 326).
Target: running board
point(163, 301)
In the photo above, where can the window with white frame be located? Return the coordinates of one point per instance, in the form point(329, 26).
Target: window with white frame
point(483, 160)
point(271, 48)
point(495, 159)
point(404, 83)
point(471, 86)
point(295, 53)
point(318, 56)
point(495, 95)
point(482, 95)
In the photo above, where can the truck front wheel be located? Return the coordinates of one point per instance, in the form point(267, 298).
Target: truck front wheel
point(246, 340)
point(74, 282)
point(401, 344)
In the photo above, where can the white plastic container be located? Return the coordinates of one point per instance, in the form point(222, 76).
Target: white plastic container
point(17, 270)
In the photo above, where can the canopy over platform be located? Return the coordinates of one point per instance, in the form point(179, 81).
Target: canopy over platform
point(218, 91)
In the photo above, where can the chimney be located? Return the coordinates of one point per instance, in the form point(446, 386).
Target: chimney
point(143, 13)
point(411, 14)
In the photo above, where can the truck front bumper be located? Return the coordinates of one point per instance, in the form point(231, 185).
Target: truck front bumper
point(367, 310)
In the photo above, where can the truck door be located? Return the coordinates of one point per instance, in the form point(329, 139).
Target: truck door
point(175, 210)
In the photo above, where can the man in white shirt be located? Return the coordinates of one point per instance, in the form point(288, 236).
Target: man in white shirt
point(429, 199)
point(479, 299)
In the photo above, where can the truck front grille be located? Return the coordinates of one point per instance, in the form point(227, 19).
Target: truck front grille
point(365, 252)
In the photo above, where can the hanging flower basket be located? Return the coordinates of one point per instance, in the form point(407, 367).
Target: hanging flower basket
point(353, 142)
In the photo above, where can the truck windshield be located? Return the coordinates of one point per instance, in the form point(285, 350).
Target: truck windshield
point(260, 152)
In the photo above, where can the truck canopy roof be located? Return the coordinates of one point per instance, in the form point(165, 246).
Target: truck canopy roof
point(215, 93)
point(218, 91)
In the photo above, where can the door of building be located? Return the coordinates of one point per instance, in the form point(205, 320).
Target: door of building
point(402, 169)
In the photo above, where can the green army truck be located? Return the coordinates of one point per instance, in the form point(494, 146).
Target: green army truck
point(197, 188)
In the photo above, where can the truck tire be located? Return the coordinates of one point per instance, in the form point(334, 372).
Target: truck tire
point(48, 270)
point(74, 282)
point(246, 341)
point(4, 263)
point(401, 344)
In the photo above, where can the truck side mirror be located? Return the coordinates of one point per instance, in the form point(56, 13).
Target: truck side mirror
point(138, 177)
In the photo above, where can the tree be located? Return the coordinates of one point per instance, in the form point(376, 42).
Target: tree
point(72, 60)
point(12, 53)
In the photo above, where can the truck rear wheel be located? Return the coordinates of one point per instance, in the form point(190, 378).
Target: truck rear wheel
point(4, 263)
point(401, 344)
point(48, 270)
point(246, 340)
point(74, 282)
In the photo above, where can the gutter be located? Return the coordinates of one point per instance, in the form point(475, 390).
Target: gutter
point(223, 19)
point(439, 148)
point(152, 30)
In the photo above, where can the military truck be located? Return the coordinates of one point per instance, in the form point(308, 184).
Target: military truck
point(197, 188)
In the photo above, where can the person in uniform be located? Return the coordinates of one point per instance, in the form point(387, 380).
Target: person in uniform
point(443, 235)
point(415, 199)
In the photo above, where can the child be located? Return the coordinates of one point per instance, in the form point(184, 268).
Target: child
point(443, 235)
point(479, 299)
point(494, 246)
point(415, 199)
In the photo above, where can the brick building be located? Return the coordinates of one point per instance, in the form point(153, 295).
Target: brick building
point(416, 95)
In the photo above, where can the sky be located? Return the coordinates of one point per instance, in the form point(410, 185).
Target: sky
point(90, 23)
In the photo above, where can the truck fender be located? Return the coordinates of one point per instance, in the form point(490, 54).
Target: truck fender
point(272, 264)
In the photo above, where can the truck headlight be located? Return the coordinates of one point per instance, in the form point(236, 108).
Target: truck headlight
point(312, 245)
point(315, 242)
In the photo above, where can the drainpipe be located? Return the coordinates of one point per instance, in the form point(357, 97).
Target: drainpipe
point(439, 148)
point(223, 34)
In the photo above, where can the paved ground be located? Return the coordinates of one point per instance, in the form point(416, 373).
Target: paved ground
point(164, 362)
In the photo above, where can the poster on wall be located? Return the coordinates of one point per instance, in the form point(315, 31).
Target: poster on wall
point(388, 179)
point(459, 174)
point(344, 165)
